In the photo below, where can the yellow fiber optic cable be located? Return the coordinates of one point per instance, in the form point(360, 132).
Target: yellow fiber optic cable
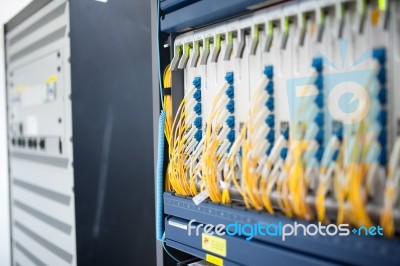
point(167, 82)
point(230, 171)
point(249, 178)
point(177, 170)
point(209, 157)
point(282, 185)
point(356, 175)
point(297, 183)
point(213, 154)
point(234, 179)
point(391, 190)
point(266, 186)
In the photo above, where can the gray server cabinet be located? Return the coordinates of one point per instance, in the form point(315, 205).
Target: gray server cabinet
point(80, 133)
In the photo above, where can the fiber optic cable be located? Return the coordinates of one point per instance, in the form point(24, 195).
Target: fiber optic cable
point(267, 184)
point(249, 181)
point(293, 174)
point(232, 170)
point(358, 171)
point(376, 154)
point(327, 169)
point(356, 175)
point(235, 148)
point(282, 189)
point(166, 250)
point(178, 169)
point(187, 133)
point(279, 144)
point(260, 137)
point(270, 180)
point(391, 193)
point(297, 180)
point(167, 82)
point(219, 137)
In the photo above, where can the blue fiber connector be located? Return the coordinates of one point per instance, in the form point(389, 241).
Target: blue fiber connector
point(231, 106)
point(268, 151)
point(270, 136)
point(335, 155)
point(198, 135)
point(270, 121)
point(319, 154)
point(197, 108)
point(285, 134)
point(198, 122)
point(319, 119)
point(283, 153)
point(380, 55)
point(269, 71)
point(382, 118)
point(319, 100)
point(197, 82)
point(317, 63)
point(382, 138)
point(230, 92)
point(270, 87)
point(229, 78)
point(197, 95)
point(230, 121)
point(382, 96)
point(270, 104)
point(338, 133)
point(319, 82)
point(231, 136)
point(319, 138)
point(382, 75)
point(383, 158)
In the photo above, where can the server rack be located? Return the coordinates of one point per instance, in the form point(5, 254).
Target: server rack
point(79, 127)
point(178, 17)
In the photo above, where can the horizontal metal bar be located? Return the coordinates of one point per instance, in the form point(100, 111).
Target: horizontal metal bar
point(205, 12)
point(352, 249)
point(37, 158)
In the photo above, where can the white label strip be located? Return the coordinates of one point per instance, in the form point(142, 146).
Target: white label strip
point(175, 224)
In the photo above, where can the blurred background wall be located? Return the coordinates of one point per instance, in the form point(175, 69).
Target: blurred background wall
point(8, 8)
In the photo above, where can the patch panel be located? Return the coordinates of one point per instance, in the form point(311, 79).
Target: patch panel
point(306, 44)
point(315, 118)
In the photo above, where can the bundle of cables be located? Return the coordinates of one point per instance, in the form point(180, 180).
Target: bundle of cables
point(167, 82)
point(329, 170)
point(260, 136)
point(184, 143)
point(218, 139)
point(391, 196)
point(265, 170)
point(366, 165)
point(305, 151)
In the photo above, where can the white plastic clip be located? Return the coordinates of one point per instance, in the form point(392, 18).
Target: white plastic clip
point(177, 57)
point(202, 196)
point(185, 56)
